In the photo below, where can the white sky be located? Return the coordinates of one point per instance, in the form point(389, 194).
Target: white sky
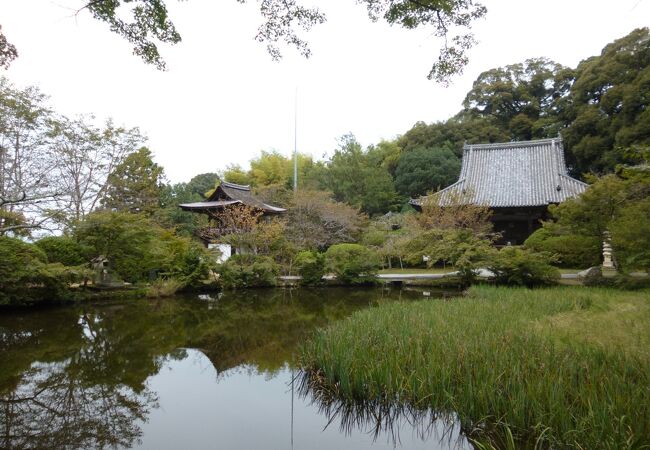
point(223, 99)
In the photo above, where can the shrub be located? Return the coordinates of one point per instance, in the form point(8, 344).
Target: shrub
point(352, 263)
point(631, 237)
point(26, 278)
point(242, 271)
point(182, 259)
point(572, 250)
point(136, 247)
point(311, 266)
point(462, 248)
point(164, 288)
point(63, 249)
point(516, 266)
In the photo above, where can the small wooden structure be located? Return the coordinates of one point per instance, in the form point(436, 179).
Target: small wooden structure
point(228, 197)
point(517, 180)
point(227, 194)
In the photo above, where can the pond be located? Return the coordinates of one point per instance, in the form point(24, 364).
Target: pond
point(190, 373)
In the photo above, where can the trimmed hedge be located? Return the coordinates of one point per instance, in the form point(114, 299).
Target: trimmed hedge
point(572, 250)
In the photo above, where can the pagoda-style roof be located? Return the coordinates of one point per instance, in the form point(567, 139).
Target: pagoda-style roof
point(231, 194)
point(512, 174)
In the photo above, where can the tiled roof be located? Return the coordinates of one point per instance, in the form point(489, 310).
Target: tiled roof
point(228, 194)
point(513, 174)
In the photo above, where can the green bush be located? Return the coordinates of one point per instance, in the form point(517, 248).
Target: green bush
point(26, 278)
point(182, 259)
point(352, 263)
point(311, 266)
point(64, 250)
point(572, 250)
point(515, 266)
point(242, 271)
point(137, 247)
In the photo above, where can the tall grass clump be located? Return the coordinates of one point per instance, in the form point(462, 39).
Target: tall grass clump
point(557, 368)
point(164, 288)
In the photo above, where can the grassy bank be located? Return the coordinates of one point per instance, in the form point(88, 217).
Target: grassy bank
point(561, 367)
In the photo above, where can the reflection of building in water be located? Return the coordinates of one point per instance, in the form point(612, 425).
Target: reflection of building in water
point(517, 180)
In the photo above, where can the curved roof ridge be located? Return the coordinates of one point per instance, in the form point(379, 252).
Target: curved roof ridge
point(242, 187)
point(512, 144)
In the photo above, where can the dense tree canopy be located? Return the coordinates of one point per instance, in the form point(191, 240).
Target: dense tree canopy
point(423, 169)
point(610, 103)
point(135, 185)
point(355, 180)
point(523, 98)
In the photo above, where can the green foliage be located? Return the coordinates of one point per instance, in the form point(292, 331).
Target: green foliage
point(26, 278)
point(523, 98)
point(150, 23)
point(616, 205)
point(572, 250)
point(463, 249)
point(514, 266)
point(352, 263)
point(8, 51)
point(310, 266)
point(631, 236)
point(169, 215)
point(64, 250)
point(248, 270)
point(135, 184)
point(609, 103)
point(164, 288)
point(315, 221)
point(181, 259)
point(453, 133)
point(562, 367)
point(359, 180)
point(136, 248)
point(424, 169)
point(125, 239)
point(202, 183)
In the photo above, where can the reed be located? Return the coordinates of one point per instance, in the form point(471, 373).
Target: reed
point(164, 288)
point(564, 367)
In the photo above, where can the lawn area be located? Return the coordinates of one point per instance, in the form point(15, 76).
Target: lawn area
point(563, 367)
point(434, 270)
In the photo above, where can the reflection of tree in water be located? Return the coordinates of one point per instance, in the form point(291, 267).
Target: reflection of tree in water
point(55, 409)
point(78, 390)
point(262, 328)
point(379, 417)
point(76, 377)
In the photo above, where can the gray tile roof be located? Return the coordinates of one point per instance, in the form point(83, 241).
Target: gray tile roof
point(228, 194)
point(513, 174)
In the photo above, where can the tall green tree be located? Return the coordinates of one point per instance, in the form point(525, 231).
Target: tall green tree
point(355, 180)
point(135, 184)
point(202, 183)
point(423, 170)
point(453, 133)
point(610, 104)
point(523, 98)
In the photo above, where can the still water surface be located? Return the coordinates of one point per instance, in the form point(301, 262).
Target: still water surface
point(186, 373)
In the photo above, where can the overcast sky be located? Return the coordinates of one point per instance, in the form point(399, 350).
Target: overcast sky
point(223, 99)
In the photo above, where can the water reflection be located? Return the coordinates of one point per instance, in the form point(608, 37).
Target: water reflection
point(113, 375)
point(380, 418)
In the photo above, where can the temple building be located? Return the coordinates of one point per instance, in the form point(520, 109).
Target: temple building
point(517, 180)
point(228, 195)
